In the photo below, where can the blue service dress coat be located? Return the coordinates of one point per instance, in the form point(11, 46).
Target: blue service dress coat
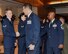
point(32, 32)
point(22, 37)
point(9, 36)
point(55, 37)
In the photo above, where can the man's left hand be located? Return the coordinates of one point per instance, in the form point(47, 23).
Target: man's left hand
point(61, 46)
point(31, 47)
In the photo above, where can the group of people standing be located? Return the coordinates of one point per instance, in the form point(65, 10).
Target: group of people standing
point(29, 33)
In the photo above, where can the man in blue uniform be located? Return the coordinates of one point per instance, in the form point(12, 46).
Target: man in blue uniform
point(32, 30)
point(22, 37)
point(9, 33)
point(55, 33)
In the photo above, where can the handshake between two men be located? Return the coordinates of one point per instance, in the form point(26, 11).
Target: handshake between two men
point(31, 46)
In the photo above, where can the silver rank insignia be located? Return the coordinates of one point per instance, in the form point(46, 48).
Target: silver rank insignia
point(4, 26)
point(29, 22)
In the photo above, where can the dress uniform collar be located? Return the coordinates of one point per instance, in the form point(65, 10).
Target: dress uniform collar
point(52, 20)
point(9, 19)
point(29, 14)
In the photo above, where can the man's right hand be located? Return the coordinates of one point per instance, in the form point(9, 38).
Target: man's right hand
point(17, 34)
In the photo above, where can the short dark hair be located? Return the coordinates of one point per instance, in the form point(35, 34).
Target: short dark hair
point(8, 9)
point(21, 15)
point(28, 5)
point(51, 9)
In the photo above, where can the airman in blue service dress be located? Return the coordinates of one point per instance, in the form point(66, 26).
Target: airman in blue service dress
point(55, 33)
point(22, 37)
point(32, 33)
point(9, 36)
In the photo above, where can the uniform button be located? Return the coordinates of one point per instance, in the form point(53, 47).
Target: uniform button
point(49, 36)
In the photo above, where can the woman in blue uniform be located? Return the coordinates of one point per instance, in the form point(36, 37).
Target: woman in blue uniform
point(21, 30)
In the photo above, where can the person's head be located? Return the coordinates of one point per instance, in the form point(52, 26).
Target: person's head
point(51, 15)
point(22, 17)
point(8, 13)
point(62, 20)
point(27, 8)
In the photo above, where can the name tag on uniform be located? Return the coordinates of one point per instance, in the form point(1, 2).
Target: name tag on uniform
point(29, 22)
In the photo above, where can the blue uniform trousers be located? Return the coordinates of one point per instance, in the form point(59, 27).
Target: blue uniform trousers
point(53, 50)
point(9, 45)
point(21, 45)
